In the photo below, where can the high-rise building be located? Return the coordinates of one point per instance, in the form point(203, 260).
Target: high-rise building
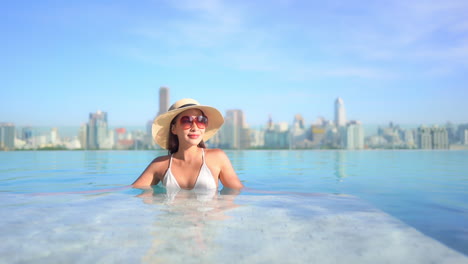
point(257, 138)
point(452, 134)
point(465, 137)
point(424, 138)
point(299, 122)
point(7, 136)
point(317, 134)
point(27, 134)
point(278, 136)
point(461, 134)
point(340, 113)
point(54, 136)
point(298, 133)
point(235, 133)
point(353, 136)
point(108, 141)
point(149, 128)
point(163, 100)
point(408, 137)
point(97, 130)
point(83, 136)
point(432, 138)
point(440, 138)
point(269, 125)
point(148, 141)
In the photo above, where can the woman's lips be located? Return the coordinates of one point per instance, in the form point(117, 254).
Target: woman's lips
point(193, 136)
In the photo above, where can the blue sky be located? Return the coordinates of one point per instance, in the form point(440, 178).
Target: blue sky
point(401, 61)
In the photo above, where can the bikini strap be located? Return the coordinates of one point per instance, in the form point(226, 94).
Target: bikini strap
point(203, 155)
point(170, 161)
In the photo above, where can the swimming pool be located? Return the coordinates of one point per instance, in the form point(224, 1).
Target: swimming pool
point(300, 206)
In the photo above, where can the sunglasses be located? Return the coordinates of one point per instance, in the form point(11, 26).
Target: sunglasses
point(187, 121)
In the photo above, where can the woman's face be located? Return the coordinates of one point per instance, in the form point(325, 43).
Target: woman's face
point(188, 127)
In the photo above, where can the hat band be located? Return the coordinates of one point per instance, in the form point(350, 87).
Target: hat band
point(185, 105)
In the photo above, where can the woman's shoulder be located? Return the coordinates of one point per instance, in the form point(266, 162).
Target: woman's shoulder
point(160, 162)
point(164, 158)
point(215, 153)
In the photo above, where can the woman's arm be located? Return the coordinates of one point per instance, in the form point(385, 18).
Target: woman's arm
point(150, 175)
point(227, 175)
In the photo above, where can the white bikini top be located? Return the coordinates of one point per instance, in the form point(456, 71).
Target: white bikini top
point(205, 180)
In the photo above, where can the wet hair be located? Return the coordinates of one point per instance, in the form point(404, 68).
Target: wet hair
point(173, 142)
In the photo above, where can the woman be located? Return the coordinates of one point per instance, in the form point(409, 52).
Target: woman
point(182, 130)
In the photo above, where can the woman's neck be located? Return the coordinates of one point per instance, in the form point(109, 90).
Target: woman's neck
point(188, 153)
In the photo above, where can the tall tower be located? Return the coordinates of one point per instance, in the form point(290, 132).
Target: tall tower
point(270, 123)
point(297, 132)
point(353, 136)
point(97, 130)
point(163, 100)
point(27, 134)
point(54, 136)
point(340, 113)
point(236, 132)
point(7, 136)
point(298, 121)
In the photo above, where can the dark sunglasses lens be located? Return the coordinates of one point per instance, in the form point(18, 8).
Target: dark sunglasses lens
point(202, 120)
point(186, 120)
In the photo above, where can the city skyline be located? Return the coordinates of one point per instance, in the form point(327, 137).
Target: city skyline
point(398, 61)
point(71, 131)
point(338, 107)
point(236, 133)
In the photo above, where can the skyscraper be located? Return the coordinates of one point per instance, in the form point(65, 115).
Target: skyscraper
point(353, 136)
point(340, 113)
point(424, 138)
point(27, 134)
point(163, 100)
point(7, 136)
point(54, 136)
point(83, 136)
point(96, 130)
point(235, 131)
point(432, 138)
point(465, 137)
point(440, 138)
point(278, 137)
point(298, 135)
point(299, 121)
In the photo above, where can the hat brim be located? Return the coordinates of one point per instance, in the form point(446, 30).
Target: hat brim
point(161, 124)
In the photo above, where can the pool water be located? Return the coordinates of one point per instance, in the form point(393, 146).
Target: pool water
point(299, 206)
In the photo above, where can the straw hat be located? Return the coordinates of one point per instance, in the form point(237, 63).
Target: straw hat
point(162, 123)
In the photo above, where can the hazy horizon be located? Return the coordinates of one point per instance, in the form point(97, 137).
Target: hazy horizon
point(72, 131)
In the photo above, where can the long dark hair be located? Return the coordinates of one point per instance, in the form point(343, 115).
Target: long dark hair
point(173, 142)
